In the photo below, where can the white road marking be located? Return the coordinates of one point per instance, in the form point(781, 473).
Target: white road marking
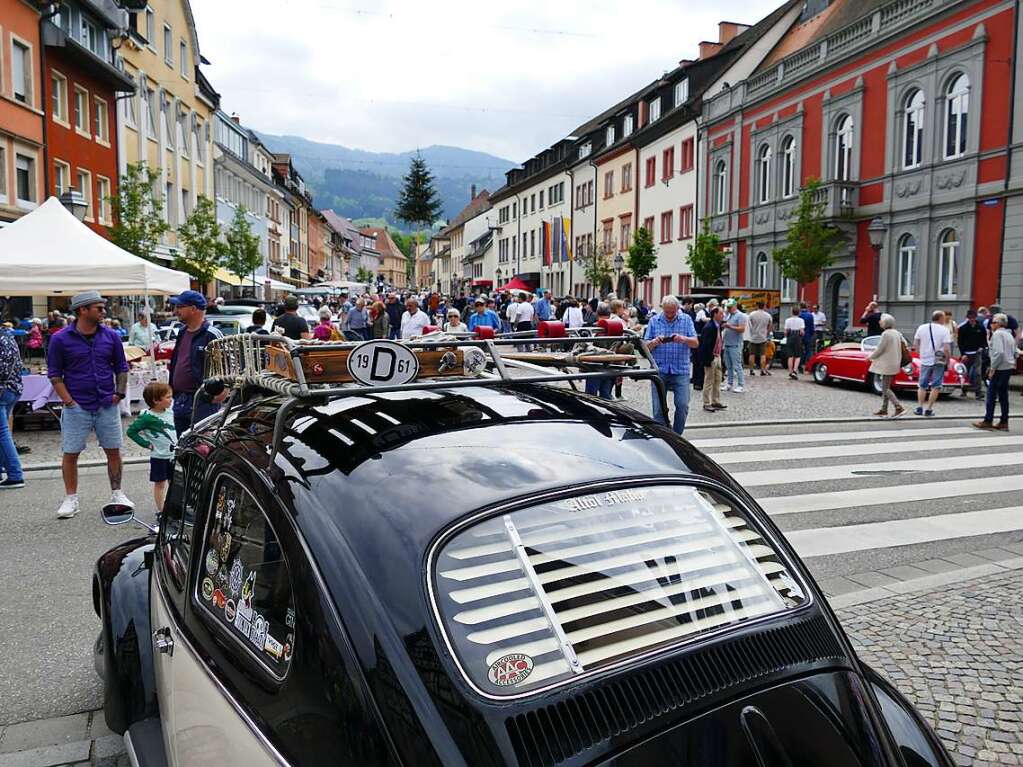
point(875, 496)
point(952, 462)
point(825, 541)
point(788, 440)
point(800, 453)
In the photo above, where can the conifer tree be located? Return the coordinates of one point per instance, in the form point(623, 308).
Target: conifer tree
point(418, 204)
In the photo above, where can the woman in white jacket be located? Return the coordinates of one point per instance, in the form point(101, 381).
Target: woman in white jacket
point(885, 361)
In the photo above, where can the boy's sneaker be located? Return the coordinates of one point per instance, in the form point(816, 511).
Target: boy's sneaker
point(928, 412)
point(118, 498)
point(919, 411)
point(11, 484)
point(726, 387)
point(68, 508)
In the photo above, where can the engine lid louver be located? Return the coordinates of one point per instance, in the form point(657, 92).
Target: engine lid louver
point(540, 595)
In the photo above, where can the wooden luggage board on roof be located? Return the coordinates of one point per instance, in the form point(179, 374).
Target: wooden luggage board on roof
point(331, 365)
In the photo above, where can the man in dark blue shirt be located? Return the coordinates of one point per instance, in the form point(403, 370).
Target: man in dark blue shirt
point(807, 317)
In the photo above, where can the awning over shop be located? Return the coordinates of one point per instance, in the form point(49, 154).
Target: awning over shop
point(483, 283)
point(226, 277)
point(515, 284)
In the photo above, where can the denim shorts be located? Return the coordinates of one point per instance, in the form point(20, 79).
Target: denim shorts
point(76, 424)
point(931, 376)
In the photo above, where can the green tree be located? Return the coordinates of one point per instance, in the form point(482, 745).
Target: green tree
point(597, 264)
point(241, 254)
point(203, 250)
point(642, 259)
point(707, 261)
point(138, 212)
point(811, 244)
point(363, 274)
point(418, 204)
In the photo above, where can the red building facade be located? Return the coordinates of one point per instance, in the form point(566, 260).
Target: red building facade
point(82, 86)
point(901, 108)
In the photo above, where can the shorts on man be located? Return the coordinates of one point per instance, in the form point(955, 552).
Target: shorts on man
point(76, 423)
point(931, 376)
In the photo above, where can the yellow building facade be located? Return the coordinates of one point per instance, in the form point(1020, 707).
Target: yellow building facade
point(167, 122)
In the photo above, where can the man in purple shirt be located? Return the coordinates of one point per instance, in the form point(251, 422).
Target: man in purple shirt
point(89, 373)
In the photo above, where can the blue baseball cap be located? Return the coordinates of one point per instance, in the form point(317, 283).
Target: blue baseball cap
point(189, 298)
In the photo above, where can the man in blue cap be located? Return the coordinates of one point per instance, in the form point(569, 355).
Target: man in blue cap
point(188, 361)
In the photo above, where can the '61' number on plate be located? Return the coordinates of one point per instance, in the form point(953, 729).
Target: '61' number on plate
point(383, 363)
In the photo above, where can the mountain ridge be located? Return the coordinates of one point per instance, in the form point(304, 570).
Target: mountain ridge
point(358, 183)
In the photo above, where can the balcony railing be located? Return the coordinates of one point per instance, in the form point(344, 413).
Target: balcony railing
point(839, 198)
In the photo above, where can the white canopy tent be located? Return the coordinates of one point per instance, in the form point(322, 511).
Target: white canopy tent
point(50, 252)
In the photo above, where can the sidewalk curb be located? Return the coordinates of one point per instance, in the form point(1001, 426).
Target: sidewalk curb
point(83, 464)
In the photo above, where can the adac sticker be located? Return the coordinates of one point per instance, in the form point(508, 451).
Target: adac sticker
point(207, 589)
point(510, 669)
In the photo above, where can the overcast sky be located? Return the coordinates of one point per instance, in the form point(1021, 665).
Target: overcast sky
point(391, 75)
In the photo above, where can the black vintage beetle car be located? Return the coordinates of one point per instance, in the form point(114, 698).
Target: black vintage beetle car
point(456, 570)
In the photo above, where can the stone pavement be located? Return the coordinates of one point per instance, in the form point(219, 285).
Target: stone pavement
point(79, 740)
point(956, 652)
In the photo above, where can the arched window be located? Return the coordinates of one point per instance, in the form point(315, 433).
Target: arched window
point(948, 264)
point(913, 130)
point(907, 266)
point(843, 149)
point(720, 184)
point(764, 173)
point(762, 270)
point(957, 107)
point(788, 167)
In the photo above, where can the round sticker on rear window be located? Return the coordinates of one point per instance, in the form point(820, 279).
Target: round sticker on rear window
point(510, 669)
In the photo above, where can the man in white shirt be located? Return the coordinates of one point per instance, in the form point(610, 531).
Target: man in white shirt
point(759, 329)
point(934, 344)
point(413, 320)
point(820, 324)
point(523, 313)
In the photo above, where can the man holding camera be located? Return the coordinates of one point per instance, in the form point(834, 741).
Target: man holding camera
point(670, 335)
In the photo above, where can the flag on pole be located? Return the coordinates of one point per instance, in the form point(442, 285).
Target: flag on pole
point(545, 233)
point(556, 239)
point(566, 240)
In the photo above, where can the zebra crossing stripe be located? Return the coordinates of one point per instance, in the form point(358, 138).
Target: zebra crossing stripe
point(787, 440)
point(801, 453)
point(819, 542)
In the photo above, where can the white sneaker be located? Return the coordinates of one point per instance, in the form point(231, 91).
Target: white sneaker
point(726, 387)
point(68, 508)
point(738, 390)
point(119, 498)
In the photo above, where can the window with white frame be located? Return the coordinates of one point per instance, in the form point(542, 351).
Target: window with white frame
point(100, 121)
point(720, 186)
point(913, 130)
point(103, 199)
point(681, 92)
point(149, 101)
point(58, 97)
point(788, 289)
point(183, 59)
point(957, 108)
point(85, 188)
point(21, 72)
point(762, 270)
point(843, 149)
point(81, 110)
point(655, 108)
point(128, 111)
point(90, 37)
point(585, 149)
point(764, 173)
point(609, 135)
point(788, 167)
point(150, 26)
point(948, 264)
point(627, 124)
point(907, 266)
point(25, 179)
point(61, 177)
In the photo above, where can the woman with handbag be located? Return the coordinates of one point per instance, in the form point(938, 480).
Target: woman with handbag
point(888, 356)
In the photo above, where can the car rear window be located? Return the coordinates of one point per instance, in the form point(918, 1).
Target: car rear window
point(537, 596)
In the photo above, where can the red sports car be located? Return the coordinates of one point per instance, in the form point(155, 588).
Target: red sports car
point(850, 362)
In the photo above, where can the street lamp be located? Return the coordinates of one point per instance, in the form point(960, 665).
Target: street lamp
point(75, 203)
point(877, 231)
point(619, 263)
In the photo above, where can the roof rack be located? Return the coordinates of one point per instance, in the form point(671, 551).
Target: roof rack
point(311, 370)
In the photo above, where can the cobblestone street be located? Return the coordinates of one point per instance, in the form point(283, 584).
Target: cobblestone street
point(958, 655)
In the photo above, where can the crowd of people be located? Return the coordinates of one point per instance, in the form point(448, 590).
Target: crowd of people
point(696, 347)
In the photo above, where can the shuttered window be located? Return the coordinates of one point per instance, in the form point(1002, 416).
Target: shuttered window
point(539, 596)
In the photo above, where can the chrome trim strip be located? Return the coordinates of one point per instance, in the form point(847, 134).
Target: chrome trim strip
point(545, 604)
point(253, 727)
point(786, 553)
point(130, 748)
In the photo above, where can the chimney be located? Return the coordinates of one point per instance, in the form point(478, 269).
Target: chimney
point(472, 193)
point(685, 62)
point(728, 30)
point(708, 49)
